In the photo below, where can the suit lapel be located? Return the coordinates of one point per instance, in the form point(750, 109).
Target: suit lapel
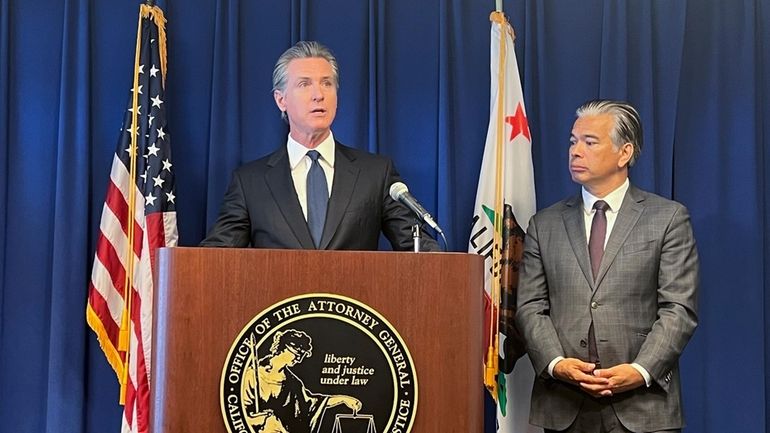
point(576, 232)
point(345, 178)
point(627, 218)
point(281, 186)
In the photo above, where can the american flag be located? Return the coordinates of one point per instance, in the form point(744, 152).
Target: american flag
point(139, 215)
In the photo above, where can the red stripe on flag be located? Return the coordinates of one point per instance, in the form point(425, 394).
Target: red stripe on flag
point(106, 254)
point(130, 406)
point(117, 204)
point(142, 386)
point(138, 239)
point(156, 232)
point(99, 305)
point(156, 235)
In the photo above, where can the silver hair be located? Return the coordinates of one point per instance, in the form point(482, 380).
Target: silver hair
point(302, 50)
point(628, 124)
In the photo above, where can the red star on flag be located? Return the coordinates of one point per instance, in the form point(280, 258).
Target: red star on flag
point(518, 123)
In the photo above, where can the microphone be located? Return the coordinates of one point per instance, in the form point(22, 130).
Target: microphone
point(399, 192)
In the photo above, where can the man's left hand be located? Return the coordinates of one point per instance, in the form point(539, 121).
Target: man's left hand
point(620, 378)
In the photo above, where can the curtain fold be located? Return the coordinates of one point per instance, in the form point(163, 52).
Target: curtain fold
point(762, 21)
point(373, 56)
point(225, 103)
point(5, 31)
point(65, 375)
point(449, 22)
point(414, 86)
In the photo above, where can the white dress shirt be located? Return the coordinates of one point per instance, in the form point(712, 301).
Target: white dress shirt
point(613, 199)
point(300, 164)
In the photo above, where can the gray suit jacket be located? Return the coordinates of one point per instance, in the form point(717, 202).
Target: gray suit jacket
point(261, 209)
point(643, 304)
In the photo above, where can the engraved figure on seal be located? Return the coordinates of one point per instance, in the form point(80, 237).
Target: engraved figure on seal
point(274, 399)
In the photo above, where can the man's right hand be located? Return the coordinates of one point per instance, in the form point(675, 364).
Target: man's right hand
point(577, 372)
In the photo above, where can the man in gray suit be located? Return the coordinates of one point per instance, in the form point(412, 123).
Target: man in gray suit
point(607, 294)
point(313, 192)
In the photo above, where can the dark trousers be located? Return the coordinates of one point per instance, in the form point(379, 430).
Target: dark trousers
point(595, 417)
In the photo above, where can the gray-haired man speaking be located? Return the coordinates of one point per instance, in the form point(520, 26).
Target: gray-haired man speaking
point(313, 192)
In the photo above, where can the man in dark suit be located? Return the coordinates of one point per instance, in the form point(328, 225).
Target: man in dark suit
point(607, 292)
point(312, 192)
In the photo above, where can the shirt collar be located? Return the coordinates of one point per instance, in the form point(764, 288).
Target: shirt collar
point(614, 199)
point(298, 151)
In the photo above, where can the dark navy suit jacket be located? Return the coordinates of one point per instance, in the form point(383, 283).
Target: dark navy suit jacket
point(261, 209)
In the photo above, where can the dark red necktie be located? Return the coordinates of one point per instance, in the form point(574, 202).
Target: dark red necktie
point(596, 251)
point(598, 233)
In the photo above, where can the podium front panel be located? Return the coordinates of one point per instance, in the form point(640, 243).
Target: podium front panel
point(205, 296)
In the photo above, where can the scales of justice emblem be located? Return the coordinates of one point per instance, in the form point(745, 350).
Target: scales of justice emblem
point(318, 363)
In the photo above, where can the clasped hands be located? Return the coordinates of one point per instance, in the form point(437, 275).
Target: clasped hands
point(603, 382)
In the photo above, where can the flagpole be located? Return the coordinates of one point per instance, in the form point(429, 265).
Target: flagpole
point(499, 200)
point(499, 5)
point(125, 329)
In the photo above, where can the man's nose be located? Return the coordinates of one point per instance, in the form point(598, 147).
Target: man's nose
point(318, 94)
point(575, 149)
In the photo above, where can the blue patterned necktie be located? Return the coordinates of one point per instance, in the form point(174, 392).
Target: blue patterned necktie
point(317, 198)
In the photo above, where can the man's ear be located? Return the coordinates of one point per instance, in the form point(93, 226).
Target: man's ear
point(626, 152)
point(279, 100)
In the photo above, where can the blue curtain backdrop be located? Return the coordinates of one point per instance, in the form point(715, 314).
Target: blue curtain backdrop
point(414, 85)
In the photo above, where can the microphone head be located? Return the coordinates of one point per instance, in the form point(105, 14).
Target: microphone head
point(397, 190)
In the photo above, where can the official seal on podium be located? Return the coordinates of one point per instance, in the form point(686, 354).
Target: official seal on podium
point(318, 363)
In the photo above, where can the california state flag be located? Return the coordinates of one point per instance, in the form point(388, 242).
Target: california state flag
point(505, 200)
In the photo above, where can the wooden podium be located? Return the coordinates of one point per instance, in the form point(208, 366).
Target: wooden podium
point(205, 296)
